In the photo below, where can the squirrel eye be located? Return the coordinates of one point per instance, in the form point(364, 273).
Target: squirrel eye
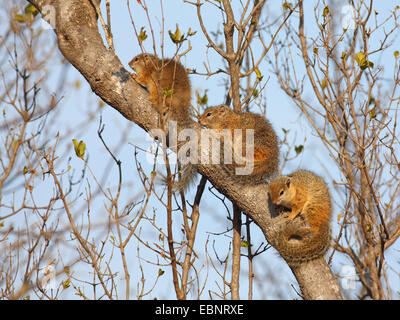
point(208, 114)
point(281, 193)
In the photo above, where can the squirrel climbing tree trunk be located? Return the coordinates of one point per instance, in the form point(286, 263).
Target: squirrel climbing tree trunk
point(112, 83)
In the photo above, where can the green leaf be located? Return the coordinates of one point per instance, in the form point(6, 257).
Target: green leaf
point(396, 54)
point(323, 84)
point(246, 244)
point(258, 73)
point(287, 5)
point(79, 148)
point(160, 272)
point(30, 9)
point(177, 36)
point(20, 18)
point(142, 35)
point(202, 100)
point(325, 12)
point(168, 92)
point(372, 114)
point(362, 61)
point(191, 33)
point(298, 149)
point(66, 283)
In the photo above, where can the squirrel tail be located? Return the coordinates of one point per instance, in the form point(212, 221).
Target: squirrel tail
point(186, 178)
point(301, 245)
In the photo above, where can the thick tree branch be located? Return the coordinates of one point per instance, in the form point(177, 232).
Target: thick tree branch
point(81, 44)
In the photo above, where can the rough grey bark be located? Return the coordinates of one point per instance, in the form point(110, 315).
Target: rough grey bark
point(81, 44)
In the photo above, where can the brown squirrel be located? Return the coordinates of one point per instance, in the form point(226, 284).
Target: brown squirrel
point(266, 152)
point(168, 84)
point(306, 195)
point(170, 93)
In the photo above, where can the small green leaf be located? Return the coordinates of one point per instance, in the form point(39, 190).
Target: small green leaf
point(177, 36)
point(25, 171)
point(160, 272)
point(298, 149)
point(362, 61)
point(287, 5)
point(191, 33)
point(323, 84)
point(396, 54)
point(315, 50)
point(202, 100)
point(372, 114)
point(325, 12)
point(66, 283)
point(142, 35)
point(258, 73)
point(30, 9)
point(20, 18)
point(246, 244)
point(79, 148)
point(168, 92)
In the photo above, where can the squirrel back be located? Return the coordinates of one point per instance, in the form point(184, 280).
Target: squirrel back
point(168, 84)
point(170, 93)
point(306, 196)
point(265, 145)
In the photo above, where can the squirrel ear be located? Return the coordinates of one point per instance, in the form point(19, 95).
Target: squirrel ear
point(288, 183)
point(223, 109)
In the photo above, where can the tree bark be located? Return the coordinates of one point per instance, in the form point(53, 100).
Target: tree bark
point(81, 44)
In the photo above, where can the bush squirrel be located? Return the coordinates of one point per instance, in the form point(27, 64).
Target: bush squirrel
point(170, 93)
point(168, 84)
point(306, 195)
point(266, 152)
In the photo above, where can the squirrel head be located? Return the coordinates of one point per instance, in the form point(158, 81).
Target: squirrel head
point(282, 191)
point(143, 61)
point(213, 117)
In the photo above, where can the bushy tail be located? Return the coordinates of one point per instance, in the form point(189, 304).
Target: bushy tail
point(186, 178)
point(298, 245)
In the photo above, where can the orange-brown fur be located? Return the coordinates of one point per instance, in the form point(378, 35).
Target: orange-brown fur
point(266, 152)
point(305, 195)
point(168, 84)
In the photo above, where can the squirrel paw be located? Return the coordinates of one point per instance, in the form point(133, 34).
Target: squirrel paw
point(293, 214)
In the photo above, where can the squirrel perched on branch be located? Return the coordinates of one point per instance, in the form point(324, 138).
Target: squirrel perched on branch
point(306, 196)
point(169, 87)
point(170, 93)
point(265, 157)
